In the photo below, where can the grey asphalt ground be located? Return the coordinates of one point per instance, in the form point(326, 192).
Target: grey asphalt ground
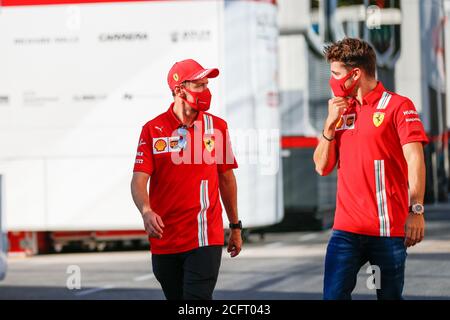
point(282, 266)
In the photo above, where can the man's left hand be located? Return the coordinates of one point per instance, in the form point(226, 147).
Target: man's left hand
point(415, 229)
point(234, 242)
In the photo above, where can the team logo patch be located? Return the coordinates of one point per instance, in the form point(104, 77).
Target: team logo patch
point(176, 77)
point(347, 122)
point(142, 142)
point(160, 145)
point(350, 121)
point(174, 146)
point(209, 143)
point(378, 118)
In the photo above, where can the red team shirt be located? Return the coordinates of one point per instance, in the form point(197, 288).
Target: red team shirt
point(184, 185)
point(372, 192)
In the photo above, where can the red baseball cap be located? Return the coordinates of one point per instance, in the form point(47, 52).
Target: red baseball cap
point(188, 70)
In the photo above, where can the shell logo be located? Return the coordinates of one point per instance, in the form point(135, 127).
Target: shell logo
point(160, 145)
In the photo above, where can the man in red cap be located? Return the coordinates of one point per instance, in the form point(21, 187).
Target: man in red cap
point(186, 154)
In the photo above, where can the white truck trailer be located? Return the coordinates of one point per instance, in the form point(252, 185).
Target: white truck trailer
point(79, 79)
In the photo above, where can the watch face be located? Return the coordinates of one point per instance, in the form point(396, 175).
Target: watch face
point(418, 208)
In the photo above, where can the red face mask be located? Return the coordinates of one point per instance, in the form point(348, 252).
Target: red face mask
point(202, 100)
point(338, 85)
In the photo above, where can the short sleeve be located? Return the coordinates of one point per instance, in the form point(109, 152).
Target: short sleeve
point(225, 156)
point(409, 125)
point(144, 156)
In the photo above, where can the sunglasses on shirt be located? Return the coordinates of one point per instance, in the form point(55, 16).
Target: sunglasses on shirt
point(182, 132)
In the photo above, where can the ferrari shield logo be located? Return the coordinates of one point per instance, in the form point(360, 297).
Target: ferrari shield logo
point(209, 143)
point(378, 118)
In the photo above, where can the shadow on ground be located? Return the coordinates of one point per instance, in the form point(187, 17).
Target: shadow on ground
point(55, 293)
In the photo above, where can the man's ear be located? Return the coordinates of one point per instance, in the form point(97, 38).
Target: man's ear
point(357, 74)
point(177, 91)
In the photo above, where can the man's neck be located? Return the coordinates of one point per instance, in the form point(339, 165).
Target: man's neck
point(365, 88)
point(185, 115)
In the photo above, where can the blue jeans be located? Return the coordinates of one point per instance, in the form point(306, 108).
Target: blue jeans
point(348, 252)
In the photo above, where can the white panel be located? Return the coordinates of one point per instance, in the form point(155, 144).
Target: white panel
point(409, 80)
point(91, 193)
point(294, 14)
point(293, 63)
point(24, 194)
point(75, 103)
point(70, 96)
point(447, 58)
point(252, 105)
point(294, 86)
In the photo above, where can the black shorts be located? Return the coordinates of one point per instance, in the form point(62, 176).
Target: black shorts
point(189, 275)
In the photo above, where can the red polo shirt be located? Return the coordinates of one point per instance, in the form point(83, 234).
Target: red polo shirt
point(184, 186)
point(372, 192)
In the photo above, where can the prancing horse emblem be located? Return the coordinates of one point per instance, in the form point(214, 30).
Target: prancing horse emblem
point(378, 118)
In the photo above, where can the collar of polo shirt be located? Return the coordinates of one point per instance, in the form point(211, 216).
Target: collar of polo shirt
point(176, 123)
point(375, 95)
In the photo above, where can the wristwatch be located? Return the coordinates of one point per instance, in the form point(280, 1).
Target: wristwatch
point(417, 209)
point(236, 225)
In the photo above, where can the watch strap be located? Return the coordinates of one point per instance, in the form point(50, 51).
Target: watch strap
point(236, 225)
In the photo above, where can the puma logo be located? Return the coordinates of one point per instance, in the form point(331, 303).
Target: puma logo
point(159, 128)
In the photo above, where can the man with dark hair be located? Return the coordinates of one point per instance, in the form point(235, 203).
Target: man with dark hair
point(376, 138)
point(187, 153)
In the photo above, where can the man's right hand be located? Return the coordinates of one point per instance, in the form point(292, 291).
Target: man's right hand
point(153, 224)
point(336, 108)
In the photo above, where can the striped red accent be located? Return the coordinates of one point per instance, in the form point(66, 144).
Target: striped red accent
point(120, 233)
point(95, 234)
point(298, 142)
